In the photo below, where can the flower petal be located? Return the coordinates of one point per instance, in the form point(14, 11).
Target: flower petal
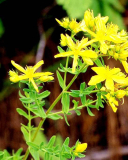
point(38, 65)
point(87, 60)
point(96, 79)
point(64, 54)
point(114, 70)
point(99, 70)
point(125, 65)
point(88, 53)
point(109, 84)
point(17, 66)
point(74, 63)
point(119, 79)
point(34, 84)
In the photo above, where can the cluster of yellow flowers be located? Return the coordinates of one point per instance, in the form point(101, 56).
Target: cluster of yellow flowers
point(109, 41)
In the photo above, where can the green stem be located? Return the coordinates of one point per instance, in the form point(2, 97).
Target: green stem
point(72, 109)
point(29, 124)
point(65, 74)
point(52, 106)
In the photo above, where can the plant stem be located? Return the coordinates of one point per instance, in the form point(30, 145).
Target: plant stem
point(72, 109)
point(65, 74)
point(52, 106)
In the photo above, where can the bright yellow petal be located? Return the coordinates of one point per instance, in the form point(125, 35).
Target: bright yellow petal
point(70, 42)
point(39, 74)
point(38, 65)
point(23, 77)
point(96, 79)
point(87, 61)
point(114, 70)
point(109, 84)
point(65, 54)
point(34, 85)
point(99, 70)
point(119, 79)
point(17, 66)
point(82, 43)
point(89, 54)
point(81, 147)
point(125, 65)
point(74, 63)
point(46, 78)
point(114, 108)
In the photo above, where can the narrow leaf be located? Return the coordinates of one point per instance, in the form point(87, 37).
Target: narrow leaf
point(65, 102)
point(22, 113)
point(89, 112)
point(60, 79)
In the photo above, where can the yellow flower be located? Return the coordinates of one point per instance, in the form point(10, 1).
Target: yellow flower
point(107, 75)
point(120, 93)
point(78, 49)
point(30, 74)
point(64, 23)
point(102, 32)
point(89, 20)
point(80, 148)
point(112, 102)
point(72, 25)
point(63, 40)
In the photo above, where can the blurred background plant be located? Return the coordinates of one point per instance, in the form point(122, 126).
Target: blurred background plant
point(29, 33)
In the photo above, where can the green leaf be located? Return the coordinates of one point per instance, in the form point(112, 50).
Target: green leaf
point(26, 100)
point(22, 113)
point(51, 142)
point(60, 49)
point(98, 62)
point(1, 28)
point(75, 104)
point(65, 117)
point(34, 153)
point(75, 8)
point(46, 156)
point(33, 145)
point(25, 133)
point(89, 112)
point(99, 100)
point(65, 102)
point(78, 112)
point(42, 112)
point(19, 151)
point(43, 95)
point(83, 99)
point(60, 79)
point(82, 86)
point(55, 117)
point(113, 14)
